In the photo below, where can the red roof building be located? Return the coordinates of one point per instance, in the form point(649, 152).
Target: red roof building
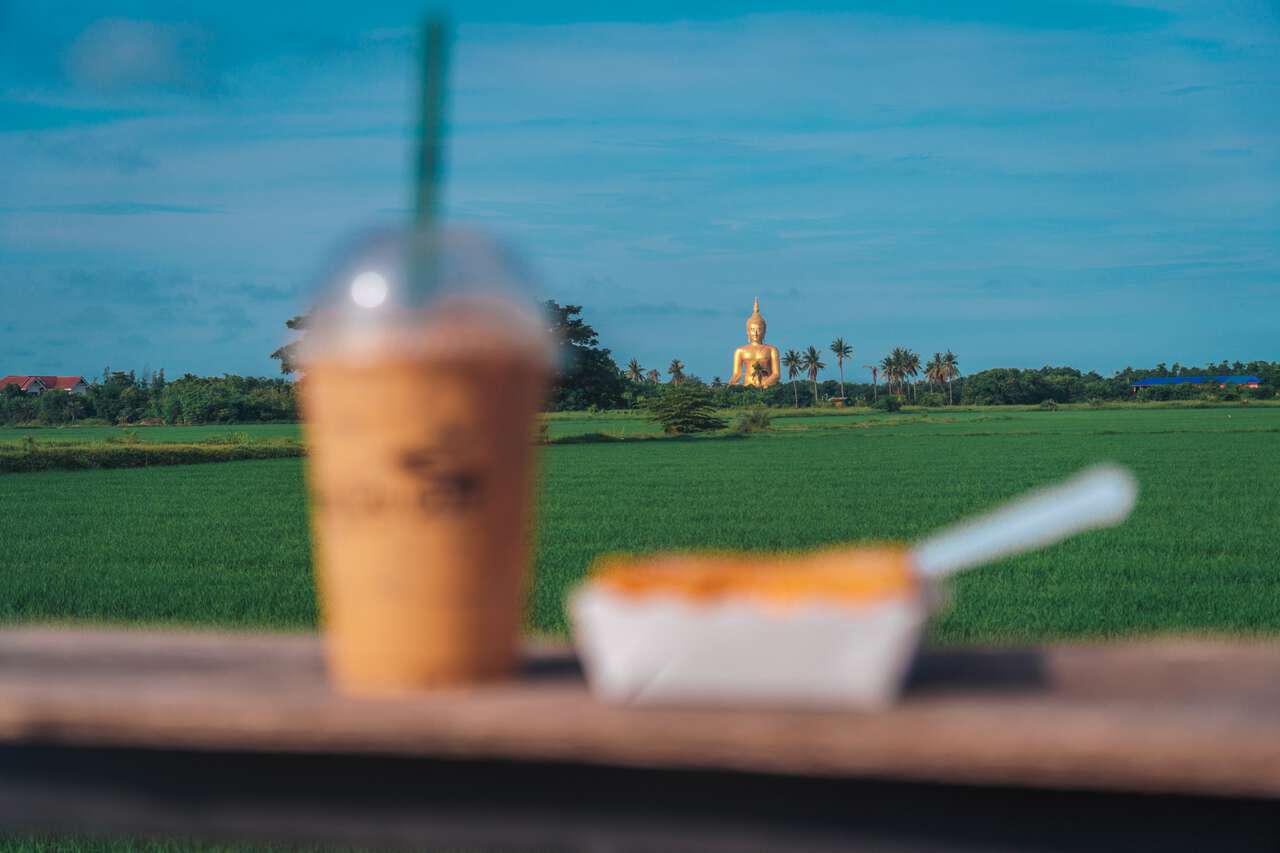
point(40, 384)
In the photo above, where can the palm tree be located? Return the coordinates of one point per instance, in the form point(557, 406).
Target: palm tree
point(634, 371)
point(759, 371)
point(812, 363)
point(911, 367)
point(653, 376)
point(934, 371)
point(842, 351)
point(952, 367)
point(794, 363)
point(875, 381)
point(676, 370)
point(889, 366)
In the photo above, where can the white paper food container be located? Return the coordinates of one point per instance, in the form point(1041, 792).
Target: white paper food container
point(658, 649)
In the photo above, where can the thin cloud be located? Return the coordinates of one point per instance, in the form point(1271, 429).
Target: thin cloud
point(265, 293)
point(230, 322)
point(71, 148)
point(118, 208)
point(665, 309)
point(137, 288)
point(117, 54)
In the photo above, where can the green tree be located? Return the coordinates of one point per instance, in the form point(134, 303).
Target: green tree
point(794, 363)
point(287, 355)
point(686, 408)
point(17, 406)
point(634, 371)
point(108, 399)
point(952, 370)
point(911, 368)
point(59, 407)
point(812, 361)
point(676, 371)
point(888, 403)
point(890, 368)
point(842, 351)
point(899, 366)
point(590, 378)
point(653, 377)
point(934, 371)
point(156, 393)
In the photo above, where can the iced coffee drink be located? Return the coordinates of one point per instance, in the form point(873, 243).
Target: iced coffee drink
point(419, 396)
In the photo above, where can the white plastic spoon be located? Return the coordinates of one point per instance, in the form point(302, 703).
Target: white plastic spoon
point(1101, 496)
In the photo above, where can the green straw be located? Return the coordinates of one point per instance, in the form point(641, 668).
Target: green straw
point(435, 47)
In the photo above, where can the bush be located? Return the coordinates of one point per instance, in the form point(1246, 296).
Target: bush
point(590, 438)
point(1048, 406)
point(57, 455)
point(227, 439)
point(685, 408)
point(888, 403)
point(753, 420)
point(933, 400)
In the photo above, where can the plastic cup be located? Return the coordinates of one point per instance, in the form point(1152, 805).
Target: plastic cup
point(424, 369)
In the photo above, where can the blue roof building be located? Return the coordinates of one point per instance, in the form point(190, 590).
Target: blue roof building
point(1223, 381)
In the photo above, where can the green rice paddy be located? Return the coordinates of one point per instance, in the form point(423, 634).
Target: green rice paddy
point(227, 545)
point(165, 434)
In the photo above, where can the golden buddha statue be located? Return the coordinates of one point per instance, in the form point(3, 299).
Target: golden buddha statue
point(756, 352)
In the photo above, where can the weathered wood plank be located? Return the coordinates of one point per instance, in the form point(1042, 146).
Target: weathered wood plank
point(1184, 716)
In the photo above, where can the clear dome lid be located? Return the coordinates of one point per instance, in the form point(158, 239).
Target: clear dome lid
point(425, 291)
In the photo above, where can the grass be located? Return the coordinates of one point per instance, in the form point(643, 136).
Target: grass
point(1197, 556)
point(559, 425)
point(227, 544)
point(617, 424)
point(163, 434)
point(199, 544)
point(31, 455)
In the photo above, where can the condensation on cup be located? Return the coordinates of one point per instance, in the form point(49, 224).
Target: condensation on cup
point(425, 366)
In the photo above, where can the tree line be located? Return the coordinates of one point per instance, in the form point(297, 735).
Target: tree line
point(939, 383)
point(590, 378)
point(124, 397)
point(901, 377)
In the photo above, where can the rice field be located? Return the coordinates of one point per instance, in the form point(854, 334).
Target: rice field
point(165, 434)
point(227, 544)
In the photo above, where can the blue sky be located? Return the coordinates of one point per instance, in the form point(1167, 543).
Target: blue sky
point(1094, 184)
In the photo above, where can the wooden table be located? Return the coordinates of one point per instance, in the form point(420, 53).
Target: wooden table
point(1170, 745)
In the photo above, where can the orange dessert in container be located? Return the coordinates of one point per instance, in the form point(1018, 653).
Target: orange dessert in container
point(839, 575)
point(829, 628)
